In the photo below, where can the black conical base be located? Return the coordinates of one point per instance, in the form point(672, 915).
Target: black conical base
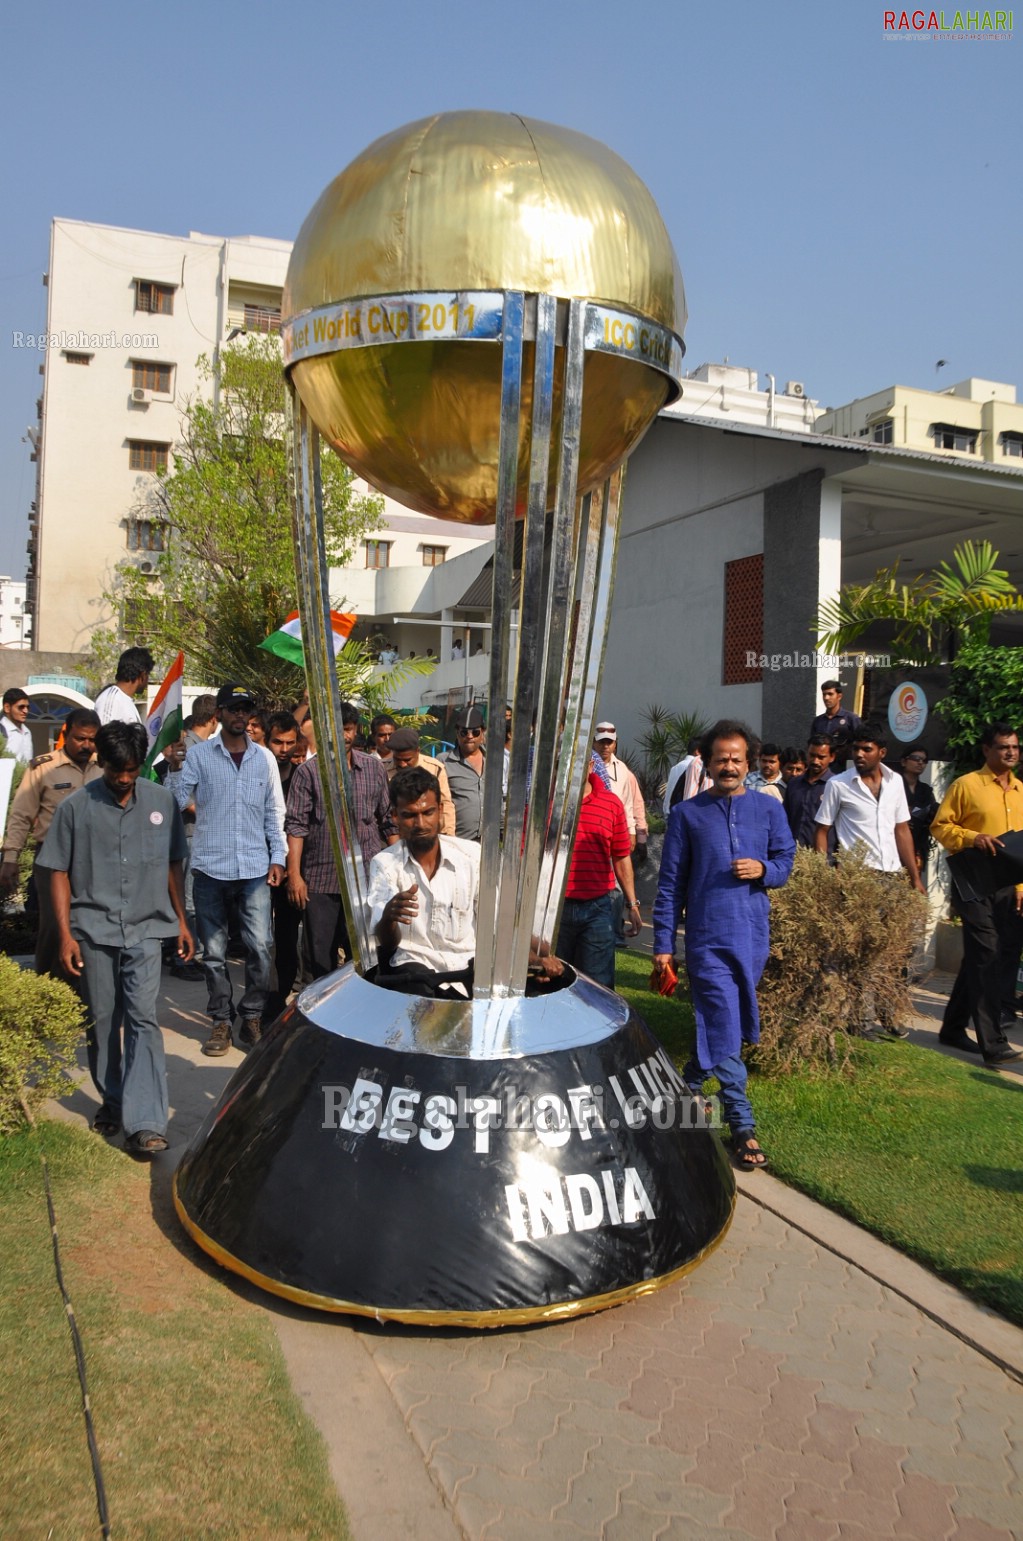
point(363, 1160)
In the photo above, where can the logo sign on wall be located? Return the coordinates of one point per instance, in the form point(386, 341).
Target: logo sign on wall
point(907, 712)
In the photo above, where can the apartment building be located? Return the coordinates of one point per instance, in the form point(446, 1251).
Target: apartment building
point(15, 625)
point(974, 420)
point(129, 314)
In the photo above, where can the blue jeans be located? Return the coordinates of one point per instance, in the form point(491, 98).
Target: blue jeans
point(252, 900)
point(586, 937)
point(731, 1076)
point(120, 985)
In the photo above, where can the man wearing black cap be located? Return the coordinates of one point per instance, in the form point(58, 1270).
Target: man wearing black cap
point(238, 856)
point(464, 765)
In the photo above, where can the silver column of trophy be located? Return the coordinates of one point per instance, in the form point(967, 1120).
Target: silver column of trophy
point(484, 316)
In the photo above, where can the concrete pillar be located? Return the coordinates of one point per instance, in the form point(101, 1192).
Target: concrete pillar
point(802, 567)
point(446, 625)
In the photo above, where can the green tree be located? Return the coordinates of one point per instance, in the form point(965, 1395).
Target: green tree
point(225, 576)
point(985, 685)
point(931, 614)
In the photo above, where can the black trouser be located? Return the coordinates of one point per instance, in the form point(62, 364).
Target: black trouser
point(325, 932)
point(287, 919)
point(414, 979)
point(992, 938)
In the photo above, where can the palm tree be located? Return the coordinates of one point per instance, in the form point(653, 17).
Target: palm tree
point(931, 613)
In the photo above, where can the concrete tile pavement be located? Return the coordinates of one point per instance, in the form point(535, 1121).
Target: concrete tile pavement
point(806, 1382)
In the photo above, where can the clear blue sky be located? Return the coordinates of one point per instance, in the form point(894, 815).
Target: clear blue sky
point(845, 206)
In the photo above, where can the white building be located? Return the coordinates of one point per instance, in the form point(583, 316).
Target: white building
point(129, 313)
point(731, 393)
point(15, 624)
point(733, 536)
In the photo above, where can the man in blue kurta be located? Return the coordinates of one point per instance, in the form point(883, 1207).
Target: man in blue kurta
point(722, 851)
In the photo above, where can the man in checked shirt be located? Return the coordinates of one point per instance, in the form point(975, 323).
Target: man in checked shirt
point(313, 884)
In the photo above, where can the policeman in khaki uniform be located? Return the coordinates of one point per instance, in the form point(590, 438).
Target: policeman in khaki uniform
point(50, 778)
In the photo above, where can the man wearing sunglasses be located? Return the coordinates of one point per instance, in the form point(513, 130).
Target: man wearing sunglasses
point(464, 765)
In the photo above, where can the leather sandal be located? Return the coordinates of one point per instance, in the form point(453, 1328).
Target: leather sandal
point(746, 1150)
point(145, 1142)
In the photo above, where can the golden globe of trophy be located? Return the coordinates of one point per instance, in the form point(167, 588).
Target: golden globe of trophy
point(483, 317)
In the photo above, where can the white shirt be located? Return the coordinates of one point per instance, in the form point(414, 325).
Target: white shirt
point(19, 739)
point(442, 937)
point(850, 805)
point(112, 705)
point(673, 776)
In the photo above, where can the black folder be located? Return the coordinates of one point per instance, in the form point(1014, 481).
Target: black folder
point(978, 874)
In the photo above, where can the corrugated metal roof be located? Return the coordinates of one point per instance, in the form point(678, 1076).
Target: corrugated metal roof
point(880, 452)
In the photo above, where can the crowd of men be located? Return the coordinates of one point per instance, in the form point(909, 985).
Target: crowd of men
point(720, 857)
point(230, 853)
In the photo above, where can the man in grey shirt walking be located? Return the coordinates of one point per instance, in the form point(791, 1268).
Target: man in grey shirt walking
point(115, 850)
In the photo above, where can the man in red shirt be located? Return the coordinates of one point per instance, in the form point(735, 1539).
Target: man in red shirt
point(586, 937)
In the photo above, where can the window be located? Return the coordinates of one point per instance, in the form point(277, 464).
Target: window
point(262, 318)
point(147, 535)
point(883, 432)
point(949, 436)
point(146, 456)
point(156, 299)
point(433, 556)
point(1012, 444)
point(744, 621)
point(378, 553)
point(151, 377)
point(77, 358)
point(139, 617)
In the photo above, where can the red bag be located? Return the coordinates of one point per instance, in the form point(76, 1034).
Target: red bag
point(664, 984)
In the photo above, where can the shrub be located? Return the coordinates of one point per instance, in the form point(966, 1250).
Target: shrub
point(841, 940)
point(41, 1021)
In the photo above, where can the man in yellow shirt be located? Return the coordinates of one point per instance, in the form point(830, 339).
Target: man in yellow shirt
point(977, 809)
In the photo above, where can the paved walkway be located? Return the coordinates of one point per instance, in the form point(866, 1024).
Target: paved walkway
point(805, 1384)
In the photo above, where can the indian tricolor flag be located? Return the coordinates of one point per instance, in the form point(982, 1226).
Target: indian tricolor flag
point(164, 723)
point(287, 641)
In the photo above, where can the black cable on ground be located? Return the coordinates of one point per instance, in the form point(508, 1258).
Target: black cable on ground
point(90, 1431)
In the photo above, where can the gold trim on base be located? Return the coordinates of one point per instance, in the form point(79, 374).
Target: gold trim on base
point(520, 1317)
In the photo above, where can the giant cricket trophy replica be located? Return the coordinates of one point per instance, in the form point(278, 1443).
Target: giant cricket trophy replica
point(484, 315)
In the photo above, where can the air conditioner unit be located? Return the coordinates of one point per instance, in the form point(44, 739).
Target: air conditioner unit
point(795, 388)
point(146, 567)
point(141, 397)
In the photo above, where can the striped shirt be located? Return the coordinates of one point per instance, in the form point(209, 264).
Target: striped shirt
point(239, 830)
point(306, 817)
point(602, 835)
point(365, 784)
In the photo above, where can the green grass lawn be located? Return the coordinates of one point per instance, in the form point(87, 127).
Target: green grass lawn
point(923, 1150)
point(200, 1433)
